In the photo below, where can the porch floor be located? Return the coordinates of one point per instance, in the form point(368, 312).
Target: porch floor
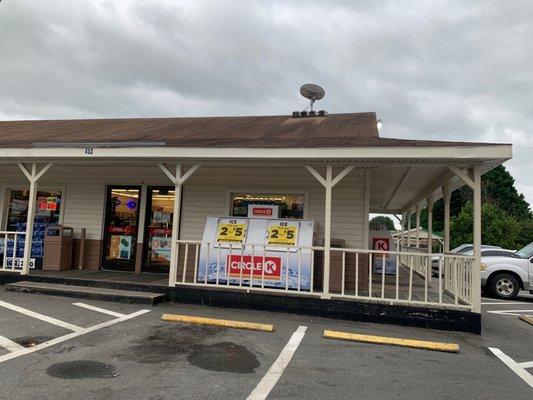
point(107, 276)
point(161, 280)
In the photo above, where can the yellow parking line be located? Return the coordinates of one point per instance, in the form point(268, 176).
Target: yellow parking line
point(224, 323)
point(527, 318)
point(415, 344)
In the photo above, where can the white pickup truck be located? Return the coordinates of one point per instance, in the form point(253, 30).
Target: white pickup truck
point(504, 277)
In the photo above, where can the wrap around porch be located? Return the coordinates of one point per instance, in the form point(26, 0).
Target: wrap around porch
point(345, 273)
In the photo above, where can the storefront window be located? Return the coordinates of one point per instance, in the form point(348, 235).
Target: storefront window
point(121, 227)
point(47, 213)
point(289, 205)
point(159, 229)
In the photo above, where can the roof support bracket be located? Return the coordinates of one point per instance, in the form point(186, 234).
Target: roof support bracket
point(462, 175)
point(179, 179)
point(335, 180)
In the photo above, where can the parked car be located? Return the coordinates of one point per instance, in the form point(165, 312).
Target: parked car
point(505, 276)
point(463, 249)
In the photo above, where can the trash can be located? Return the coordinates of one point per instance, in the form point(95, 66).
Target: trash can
point(58, 242)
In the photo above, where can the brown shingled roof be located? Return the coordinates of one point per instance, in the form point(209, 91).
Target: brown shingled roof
point(334, 130)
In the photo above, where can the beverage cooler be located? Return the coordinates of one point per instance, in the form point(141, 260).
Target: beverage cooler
point(47, 213)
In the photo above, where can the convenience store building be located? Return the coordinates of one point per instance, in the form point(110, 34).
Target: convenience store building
point(141, 190)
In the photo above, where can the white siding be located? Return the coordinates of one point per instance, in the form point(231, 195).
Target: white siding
point(205, 193)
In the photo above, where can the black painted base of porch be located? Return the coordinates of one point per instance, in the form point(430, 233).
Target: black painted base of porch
point(354, 310)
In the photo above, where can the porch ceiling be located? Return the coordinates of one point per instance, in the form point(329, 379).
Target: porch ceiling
point(393, 188)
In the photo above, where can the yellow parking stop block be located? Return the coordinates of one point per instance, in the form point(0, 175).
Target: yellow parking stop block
point(224, 323)
point(415, 344)
point(527, 318)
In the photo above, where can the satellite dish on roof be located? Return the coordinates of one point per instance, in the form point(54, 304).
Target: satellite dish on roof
point(312, 92)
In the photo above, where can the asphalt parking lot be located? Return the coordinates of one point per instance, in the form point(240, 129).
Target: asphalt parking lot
point(55, 348)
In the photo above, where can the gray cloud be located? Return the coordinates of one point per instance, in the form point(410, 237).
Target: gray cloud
point(458, 70)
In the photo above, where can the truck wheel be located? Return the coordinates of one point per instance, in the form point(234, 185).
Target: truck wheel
point(504, 286)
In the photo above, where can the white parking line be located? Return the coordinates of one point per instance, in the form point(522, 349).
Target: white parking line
point(265, 386)
point(510, 312)
point(42, 317)
point(72, 335)
point(517, 368)
point(9, 345)
point(528, 364)
point(505, 302)
point(98, 309)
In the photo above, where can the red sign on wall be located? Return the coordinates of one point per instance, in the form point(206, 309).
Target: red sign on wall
point(271, 267)
point(381, 244)
point(262, 211)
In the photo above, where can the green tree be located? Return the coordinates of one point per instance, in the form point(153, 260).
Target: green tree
point(382, 222)
point(499, 228)
point(497, 188)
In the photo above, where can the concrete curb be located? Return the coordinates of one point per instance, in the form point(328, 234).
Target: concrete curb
point(411, 343)
point(527, 318)
point(223, 323)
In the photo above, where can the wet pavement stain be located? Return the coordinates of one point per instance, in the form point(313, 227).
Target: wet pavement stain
point(30, 341)
point(166, 344)
point(225, 357)
point(82, 369)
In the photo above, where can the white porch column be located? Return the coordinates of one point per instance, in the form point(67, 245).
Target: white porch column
point(476, 274)
point(329, 182)
point(408, 228)
point(366, 217)
point(418, 225)
point(430, 235)
point(446, 196)
point(33, 176)
point(327, 233)
point(176, 221)
point(403, 221)
point(178, 179)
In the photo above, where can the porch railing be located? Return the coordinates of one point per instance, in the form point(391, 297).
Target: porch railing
point(417, 263)
point(11, 250)
point(394, 277)
point(457, 275)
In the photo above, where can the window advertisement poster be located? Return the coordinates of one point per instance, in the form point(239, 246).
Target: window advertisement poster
point(274, 258)
point(120, 247)
point(382, 241)
point(160, 248)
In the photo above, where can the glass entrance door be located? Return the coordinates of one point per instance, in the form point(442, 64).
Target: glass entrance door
point(122, 220)
point(158, 233)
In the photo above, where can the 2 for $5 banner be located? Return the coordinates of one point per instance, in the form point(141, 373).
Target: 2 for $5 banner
point(232, 230)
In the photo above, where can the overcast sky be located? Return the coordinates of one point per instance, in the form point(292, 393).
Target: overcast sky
point(451, 70)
